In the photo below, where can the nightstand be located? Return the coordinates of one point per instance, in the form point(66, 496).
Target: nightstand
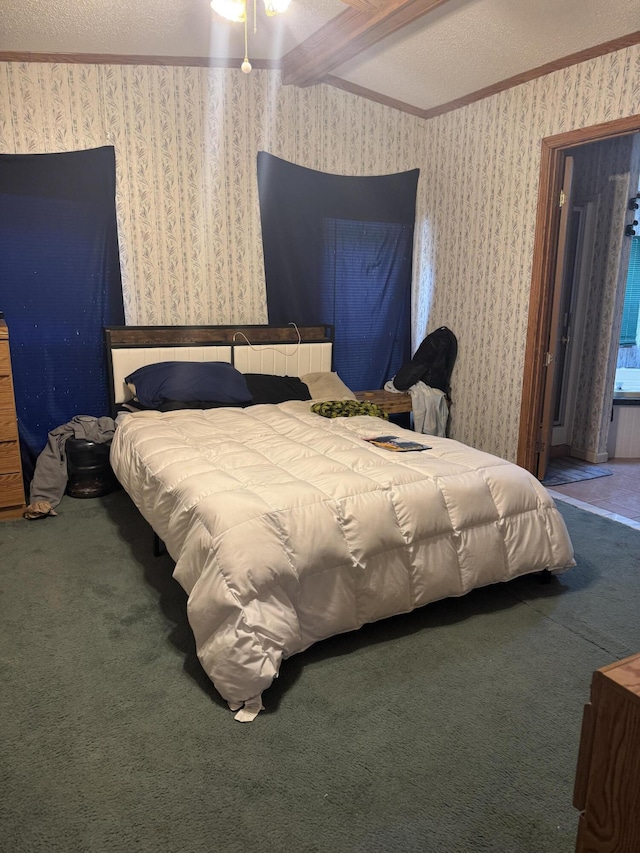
point(389, 402)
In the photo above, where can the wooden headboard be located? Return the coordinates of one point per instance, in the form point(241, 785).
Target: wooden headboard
point(281, 350)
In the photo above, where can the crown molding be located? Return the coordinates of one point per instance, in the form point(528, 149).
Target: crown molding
point(541, 71)
point(119, 59)
point(336, 82)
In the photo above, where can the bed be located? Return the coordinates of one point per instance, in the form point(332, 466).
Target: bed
point(287, 527)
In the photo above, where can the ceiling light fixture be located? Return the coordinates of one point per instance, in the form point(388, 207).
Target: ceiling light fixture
point(236, 11)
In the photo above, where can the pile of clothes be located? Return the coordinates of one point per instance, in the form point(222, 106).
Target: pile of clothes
point(51, 473)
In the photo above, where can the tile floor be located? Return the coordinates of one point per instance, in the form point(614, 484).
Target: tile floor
point(616, 496)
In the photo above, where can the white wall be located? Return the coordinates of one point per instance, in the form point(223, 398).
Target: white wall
point(624, 434)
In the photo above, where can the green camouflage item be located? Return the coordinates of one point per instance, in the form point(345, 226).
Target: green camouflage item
point(348, 409)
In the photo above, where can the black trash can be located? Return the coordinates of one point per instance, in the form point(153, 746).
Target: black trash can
point(89, 472)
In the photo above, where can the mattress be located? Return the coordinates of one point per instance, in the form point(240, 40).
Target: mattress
point(287, 527)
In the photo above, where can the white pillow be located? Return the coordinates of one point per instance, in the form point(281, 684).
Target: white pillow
point(327, 386)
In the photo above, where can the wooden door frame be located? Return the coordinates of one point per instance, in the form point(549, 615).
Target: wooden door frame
point(542, 275)
point(551, 377)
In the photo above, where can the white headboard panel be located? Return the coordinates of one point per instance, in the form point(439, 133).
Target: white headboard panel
point(283, 359)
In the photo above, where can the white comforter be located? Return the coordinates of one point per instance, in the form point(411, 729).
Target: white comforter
point(287, 527)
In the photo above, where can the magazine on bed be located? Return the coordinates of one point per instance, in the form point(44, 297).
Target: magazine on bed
point(392, 442)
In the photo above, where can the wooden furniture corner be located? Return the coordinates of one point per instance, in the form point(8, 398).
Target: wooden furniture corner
point(607, 784)
point(12, 503)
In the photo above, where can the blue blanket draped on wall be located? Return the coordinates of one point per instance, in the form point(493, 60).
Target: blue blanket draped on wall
point(59, 285)
point(338, 251)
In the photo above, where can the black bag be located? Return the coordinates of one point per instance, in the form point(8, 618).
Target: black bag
point(432, 362)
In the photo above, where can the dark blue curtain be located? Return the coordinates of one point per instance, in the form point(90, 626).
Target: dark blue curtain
point(59, 285)
point(338, 250)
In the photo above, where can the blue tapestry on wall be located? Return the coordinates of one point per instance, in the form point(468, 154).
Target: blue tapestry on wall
point(59, 285)
point(338, 251)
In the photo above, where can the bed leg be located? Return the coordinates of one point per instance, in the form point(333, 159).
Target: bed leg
point(159, 548)
point(545, 576)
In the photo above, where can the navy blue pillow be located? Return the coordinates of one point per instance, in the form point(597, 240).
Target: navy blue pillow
point(187, 381)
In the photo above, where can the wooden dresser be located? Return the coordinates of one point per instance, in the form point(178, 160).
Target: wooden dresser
point(607, 785)
point(12, 503)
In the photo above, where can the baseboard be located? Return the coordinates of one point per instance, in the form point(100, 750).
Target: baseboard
point(589, 455)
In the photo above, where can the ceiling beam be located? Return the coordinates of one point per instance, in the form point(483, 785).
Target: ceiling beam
point(365, 5)
point(348, 34)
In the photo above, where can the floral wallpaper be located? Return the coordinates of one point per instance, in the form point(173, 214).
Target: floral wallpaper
point(186, 141)
point(480, 170)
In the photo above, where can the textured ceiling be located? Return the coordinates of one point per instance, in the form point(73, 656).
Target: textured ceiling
point(153, 27)
point(457, 48)
point(466, 45)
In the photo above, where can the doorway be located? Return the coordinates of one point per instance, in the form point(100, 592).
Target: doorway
point(534, 443)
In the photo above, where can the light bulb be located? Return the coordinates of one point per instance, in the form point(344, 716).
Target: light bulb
point(232, 10)
point(246, 66)
point(276, 7)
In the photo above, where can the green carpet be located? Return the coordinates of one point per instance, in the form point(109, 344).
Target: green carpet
point(453, 729)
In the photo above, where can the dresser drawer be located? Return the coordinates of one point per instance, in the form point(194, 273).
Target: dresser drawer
point(9, 457)
point(5, 361)
point(6, 393)
point(11, 490)
point(8, 427)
